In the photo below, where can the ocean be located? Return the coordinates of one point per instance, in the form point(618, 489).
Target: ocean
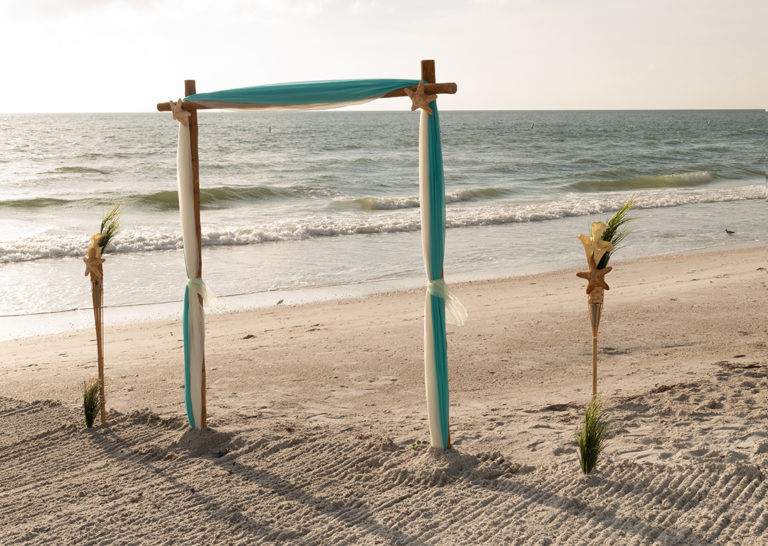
point(306, 206)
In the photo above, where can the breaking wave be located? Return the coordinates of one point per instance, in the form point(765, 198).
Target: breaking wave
point(410, 202)
point(221, 196)
point(574, 204)
point(34, 203)
point(681, 180)
point(77, 170)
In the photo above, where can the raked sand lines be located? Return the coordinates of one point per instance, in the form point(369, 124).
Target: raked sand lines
point(688, 465)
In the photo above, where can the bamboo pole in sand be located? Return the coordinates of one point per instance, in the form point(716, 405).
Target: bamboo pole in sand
point(428, 75)
point(596, 288)
point(190, 89)
point(595, 309)
point(97, 292)
point(94, 267)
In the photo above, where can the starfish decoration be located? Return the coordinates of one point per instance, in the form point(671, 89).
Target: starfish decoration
point(93, 259)
point(419, 98)
point(595, 277)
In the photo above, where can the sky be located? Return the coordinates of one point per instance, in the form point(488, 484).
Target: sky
point(128, 55)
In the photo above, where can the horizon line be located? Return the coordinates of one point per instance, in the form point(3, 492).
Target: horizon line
point(219, 110)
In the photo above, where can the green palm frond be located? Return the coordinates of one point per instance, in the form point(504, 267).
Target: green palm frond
point(91, 401)
point(110, 223)
point(593, 435)
point(617, 230)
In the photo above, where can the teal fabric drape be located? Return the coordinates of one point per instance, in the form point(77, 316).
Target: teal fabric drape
point(303, 93)
point(437, 254)
point(187, 388)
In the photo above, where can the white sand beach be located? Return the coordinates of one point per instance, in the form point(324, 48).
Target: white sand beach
point(313, 410)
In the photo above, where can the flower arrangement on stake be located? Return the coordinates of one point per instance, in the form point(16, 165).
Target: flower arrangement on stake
point(604, 238)
point(110, 223)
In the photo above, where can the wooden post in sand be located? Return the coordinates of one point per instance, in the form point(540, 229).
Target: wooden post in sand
point(595, 309)
point(93, 268)
point(428, 72)
point(428, 75)
point(596, 287)
point(190, 89)
point(97, 293)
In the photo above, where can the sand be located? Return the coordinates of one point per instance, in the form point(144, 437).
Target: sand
point(314, 409)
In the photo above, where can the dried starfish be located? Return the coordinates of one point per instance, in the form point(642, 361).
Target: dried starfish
point(419, 98)
point(93, 259)
point(595, 277)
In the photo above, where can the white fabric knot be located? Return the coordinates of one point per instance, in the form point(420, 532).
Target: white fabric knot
point(455, 311)
point(179, 114)
point(210, 301)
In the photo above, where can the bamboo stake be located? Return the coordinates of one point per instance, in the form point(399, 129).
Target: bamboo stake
point(594, 361)
point(595, 310)
point(190, 89)
point(596, 288)
point(97, 294)
point(93, 267)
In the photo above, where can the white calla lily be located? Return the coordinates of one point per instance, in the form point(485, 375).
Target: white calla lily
point(594, 246)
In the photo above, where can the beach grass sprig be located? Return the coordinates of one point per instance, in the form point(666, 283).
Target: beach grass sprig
point(91, 401)
point(593, 435)
point(110, 223)
point(617, 230)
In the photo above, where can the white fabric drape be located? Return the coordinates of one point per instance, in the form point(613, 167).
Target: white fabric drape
point(241, 107)
point(194, 336)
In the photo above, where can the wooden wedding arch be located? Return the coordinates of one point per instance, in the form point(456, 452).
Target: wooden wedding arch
point(318, 95)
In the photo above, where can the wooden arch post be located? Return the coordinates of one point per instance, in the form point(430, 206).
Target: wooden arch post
point(428, 71)
point(190, 89)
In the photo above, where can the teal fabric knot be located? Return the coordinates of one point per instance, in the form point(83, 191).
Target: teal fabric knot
point(455, 310)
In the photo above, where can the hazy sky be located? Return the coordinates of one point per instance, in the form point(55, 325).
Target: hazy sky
point(127, 55)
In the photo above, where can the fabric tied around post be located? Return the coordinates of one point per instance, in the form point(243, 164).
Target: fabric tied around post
point(210, 301)
point(179, 114)
point(193, 324)
point(455, 311)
